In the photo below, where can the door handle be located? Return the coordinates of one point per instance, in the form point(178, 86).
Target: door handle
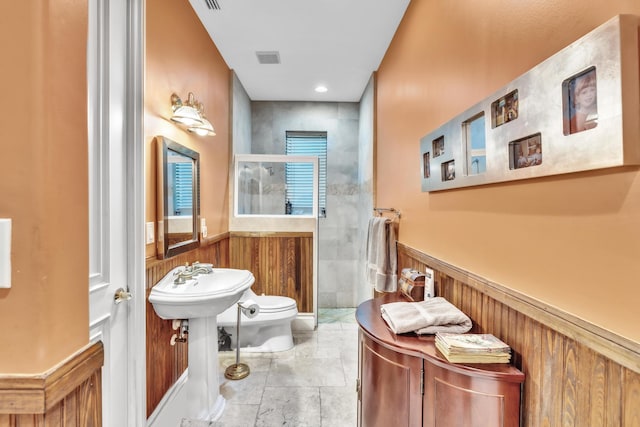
point(122, 295)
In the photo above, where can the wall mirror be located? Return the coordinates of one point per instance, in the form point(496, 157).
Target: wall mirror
point(178, 198)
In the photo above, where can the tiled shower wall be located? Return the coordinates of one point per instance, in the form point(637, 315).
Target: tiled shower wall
point(365, 183)
point(241, 119)
point(339, 233)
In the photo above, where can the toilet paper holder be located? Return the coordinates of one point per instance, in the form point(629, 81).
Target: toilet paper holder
point(238, 370)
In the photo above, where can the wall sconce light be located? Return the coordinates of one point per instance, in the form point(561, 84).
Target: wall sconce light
point(191, 115)
point(206, 128)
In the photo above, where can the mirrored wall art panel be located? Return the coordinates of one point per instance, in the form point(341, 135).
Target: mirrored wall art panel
point(178, 198)
point(554, 119)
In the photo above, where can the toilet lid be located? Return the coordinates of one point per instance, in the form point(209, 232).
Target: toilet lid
point(272, 303)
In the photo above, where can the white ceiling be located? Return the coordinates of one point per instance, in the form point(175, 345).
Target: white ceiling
point(336, 43)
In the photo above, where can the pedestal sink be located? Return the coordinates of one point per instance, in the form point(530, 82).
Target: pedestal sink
point(200, 299)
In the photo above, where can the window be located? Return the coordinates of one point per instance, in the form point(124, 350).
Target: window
point(299, 177)
point(473, 129)
point(182, 179)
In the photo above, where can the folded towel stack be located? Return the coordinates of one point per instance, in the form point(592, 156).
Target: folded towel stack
point(425, 317)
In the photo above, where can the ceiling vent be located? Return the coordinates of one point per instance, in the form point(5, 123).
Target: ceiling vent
point(268, 57)
point(212, 4)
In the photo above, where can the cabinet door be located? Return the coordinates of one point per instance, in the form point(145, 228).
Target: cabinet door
point(454, 399)
point(390, 392)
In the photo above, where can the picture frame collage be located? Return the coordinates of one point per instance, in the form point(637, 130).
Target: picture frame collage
point(543, 123)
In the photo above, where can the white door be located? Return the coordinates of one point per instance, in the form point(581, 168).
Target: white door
point(116, 211)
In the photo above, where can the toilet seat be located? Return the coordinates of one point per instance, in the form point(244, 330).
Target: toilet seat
point(270, 330)
point(274, 304)
point(272, 309)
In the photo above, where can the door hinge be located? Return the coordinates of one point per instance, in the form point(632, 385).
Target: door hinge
point(358, 390)
point(422, 381)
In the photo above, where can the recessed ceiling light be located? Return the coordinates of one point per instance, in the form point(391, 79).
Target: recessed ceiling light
point(321, 89)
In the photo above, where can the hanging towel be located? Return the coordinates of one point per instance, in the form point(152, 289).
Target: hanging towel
point(382, 264)
point(425, 317)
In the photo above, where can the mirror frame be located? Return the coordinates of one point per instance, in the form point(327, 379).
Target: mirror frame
point(164, 249)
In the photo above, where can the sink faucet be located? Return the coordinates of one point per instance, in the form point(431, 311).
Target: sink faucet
point(182, 276)
point(190, 271)
point(197, 268)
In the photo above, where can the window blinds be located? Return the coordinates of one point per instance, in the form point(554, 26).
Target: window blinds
point(183, 191)
point(299, 176)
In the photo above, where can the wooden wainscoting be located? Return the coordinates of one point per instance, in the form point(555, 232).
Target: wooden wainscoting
point(576, 374)
point(166, 363)
point(70, 395)
point(282, 263)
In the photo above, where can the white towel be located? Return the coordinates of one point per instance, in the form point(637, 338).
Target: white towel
point(425, 317)
point(381, 262)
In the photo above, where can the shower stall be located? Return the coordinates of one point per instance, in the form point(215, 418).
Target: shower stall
point(274, 226)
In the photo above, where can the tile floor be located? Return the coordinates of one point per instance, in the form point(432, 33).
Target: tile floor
point(311, 385)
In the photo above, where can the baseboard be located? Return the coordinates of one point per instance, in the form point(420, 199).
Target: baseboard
point(304, 322)
point(168, 412)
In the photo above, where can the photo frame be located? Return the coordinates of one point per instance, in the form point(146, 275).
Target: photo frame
point(580, 102)
point(504, 109)
point(426, 170)
point(438, 146)
point(449, 170)
point(525, 152)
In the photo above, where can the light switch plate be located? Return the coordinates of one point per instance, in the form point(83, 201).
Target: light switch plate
point(429, 284)
point(203, 227)
point(150, 233)
point(5, 252)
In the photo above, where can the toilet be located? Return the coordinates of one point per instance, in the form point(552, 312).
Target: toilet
point(269, 331)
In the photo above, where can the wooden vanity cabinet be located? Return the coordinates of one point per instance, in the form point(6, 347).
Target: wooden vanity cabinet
point(405, 381)
point(470, 398)
point(388, 379)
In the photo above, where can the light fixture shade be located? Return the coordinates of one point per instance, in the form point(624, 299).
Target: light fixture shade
point(190, 114)
point(187, 116)
point(205, 129)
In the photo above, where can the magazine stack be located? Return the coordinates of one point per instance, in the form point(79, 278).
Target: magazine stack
point(472, 348)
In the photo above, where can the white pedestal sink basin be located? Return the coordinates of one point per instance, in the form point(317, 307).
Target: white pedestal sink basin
point(200, 299)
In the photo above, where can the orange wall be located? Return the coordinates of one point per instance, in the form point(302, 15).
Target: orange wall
point(181, 58)
point(43, 182)
point(571, 241)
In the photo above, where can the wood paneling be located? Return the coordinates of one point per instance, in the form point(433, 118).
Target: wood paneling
point(214, 250)
point(70, 395)
point(166, 363)
point(576, 374)
point(282, 264)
